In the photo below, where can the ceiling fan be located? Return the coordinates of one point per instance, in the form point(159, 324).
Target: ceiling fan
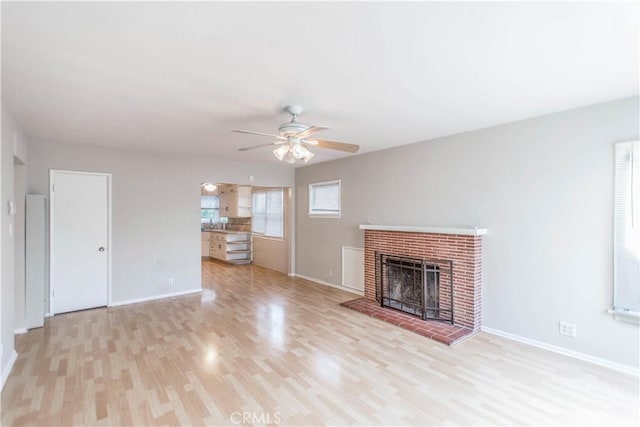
point(294, 139)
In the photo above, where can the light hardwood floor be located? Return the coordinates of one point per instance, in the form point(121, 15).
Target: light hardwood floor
point(258, 347)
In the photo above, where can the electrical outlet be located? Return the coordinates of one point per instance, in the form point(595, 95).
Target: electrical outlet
point(330, 272)
point(170, 281)
point(568, 329)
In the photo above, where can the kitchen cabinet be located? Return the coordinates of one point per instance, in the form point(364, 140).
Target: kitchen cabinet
point(205, 243)
point(235, 200)
point(230, 246)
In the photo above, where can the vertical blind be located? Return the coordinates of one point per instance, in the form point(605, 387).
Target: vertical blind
point(626, 229)
point(268, 208)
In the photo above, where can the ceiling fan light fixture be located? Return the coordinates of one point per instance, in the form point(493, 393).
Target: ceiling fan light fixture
point(299, 151)
point(292, 143)
point(308, 157)
point(289, 158)
point(281, 151)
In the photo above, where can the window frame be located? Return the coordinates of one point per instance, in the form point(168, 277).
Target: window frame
point(209, 209)
point(626, 244)
point(253, 215)
point(311, 213)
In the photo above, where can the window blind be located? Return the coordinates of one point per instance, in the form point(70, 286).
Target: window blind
point(324, 198)
point(626, 232)
point(209, 209)
point(268, 208)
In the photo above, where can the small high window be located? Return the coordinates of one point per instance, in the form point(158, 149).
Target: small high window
point(324, 199)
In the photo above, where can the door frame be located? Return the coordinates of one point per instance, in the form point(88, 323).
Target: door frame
point(52, 172)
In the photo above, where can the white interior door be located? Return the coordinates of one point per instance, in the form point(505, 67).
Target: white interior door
point(80, 223)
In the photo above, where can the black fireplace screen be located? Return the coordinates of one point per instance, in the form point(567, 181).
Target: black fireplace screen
point(421, 287)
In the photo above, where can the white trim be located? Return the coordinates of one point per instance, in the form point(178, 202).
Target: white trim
point(47, 315)
point(51, 227)
point(292, 231)
point(311, 213)
point(109, 240)
point(570, 353)
point(155, 297)
point(438, 230)
point(6, 369)
point(625, 315)
point(20, 331)
point(327, 215)
point(623, 312)
point(262, 236)
point(332, 285)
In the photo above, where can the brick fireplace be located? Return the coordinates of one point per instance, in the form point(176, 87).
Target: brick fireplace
point(461, 247)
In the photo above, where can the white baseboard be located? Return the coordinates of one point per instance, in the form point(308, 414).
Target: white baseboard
point(47, 315)
point(6, 370)
point(20, 331)
point(155, 297)
point(332, 285)
point(574, 354)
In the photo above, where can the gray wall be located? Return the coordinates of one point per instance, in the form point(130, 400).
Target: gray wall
point(13, 149)
point(542, 187)
point(156, 208)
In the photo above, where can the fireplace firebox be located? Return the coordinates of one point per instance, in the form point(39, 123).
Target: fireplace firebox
point(417, 286)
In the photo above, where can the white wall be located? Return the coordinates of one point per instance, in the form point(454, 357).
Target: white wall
point(544, 189)
point(13, 147)
point(156, 208)
point(19, 193)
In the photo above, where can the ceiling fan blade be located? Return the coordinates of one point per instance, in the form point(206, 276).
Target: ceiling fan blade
point(333, 145)
point(282, 138)
point(309, 131)
point(259, 146)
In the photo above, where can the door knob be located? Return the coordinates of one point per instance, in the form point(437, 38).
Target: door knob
point(101, 248)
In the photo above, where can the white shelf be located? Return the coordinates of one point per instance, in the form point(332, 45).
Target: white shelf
point(436, 230)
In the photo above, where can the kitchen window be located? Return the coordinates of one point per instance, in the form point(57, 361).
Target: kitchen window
point(209, 209)
point(268, 213)
point(324, 199)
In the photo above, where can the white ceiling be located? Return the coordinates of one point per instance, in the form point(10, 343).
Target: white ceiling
point(177, 77)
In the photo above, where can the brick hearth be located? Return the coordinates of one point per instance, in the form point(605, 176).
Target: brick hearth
point(439, 331)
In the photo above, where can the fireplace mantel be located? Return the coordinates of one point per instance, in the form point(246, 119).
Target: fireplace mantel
point(437, 230)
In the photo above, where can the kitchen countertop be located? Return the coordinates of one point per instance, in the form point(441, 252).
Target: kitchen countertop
point(224, 231)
